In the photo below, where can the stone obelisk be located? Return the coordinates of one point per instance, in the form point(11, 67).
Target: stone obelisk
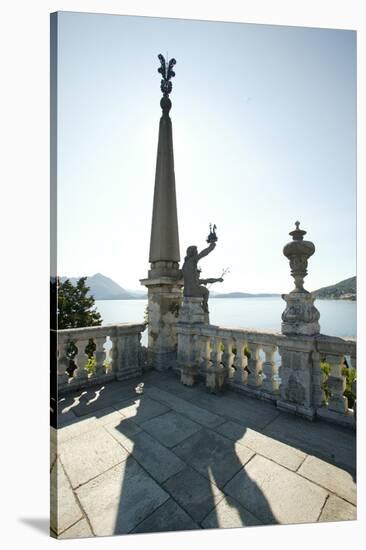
point(164, 281)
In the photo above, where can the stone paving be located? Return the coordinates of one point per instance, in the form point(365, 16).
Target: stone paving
point(179, 458)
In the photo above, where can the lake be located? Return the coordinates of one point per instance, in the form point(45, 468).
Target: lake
point(337, 317)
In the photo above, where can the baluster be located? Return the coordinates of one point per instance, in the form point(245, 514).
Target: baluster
point(354, 383)
point(100, 356)
point(241, 361)
point(216, 353)
point(81, 359)
point(215, 376)
point(228, 357)
point(318, 380)
point(205, 354)
point(269, 369)
point(254, 366)
point(62, 362)
point(337, 384)
point(114, 353)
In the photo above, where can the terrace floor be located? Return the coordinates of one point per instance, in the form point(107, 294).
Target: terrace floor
point(178, 458)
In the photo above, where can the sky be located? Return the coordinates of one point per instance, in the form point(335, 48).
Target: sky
point(264, 130)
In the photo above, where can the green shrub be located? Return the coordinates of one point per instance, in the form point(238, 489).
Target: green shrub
point(349, 373)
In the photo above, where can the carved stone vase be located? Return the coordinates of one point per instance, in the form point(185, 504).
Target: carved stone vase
point(300, 315)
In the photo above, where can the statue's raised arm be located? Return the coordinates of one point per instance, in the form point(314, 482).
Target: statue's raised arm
point(206, 251)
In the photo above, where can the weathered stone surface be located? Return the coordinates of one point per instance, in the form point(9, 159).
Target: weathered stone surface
point(337, 509)
point(170, 428)
point(333, 443)
point(169, 517)
point(248, 412)
point(332, 478)
point(197, 414)
point(64, 508)
point(158, 461)
point(107, 395)
point(77, 428)
point(229, 514)
point(213, 455)
point(80, 530)
point(89, 455)
point(283, 454)
point(276, 495)
point(194, 493)
point(124, 431)
point(53, 446)
point(120, 498)
point(142, 409)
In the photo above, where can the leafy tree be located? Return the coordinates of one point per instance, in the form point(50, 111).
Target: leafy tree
point(76, 309)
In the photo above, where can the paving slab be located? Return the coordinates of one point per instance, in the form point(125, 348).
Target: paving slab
point(213, 456)
point(195, 493)
point(276, 495)
point(283, 454)
point(100, 396)
point(229, 514)
point(333, 443)
point(188, 409)
point(252, 413)
point(337, 509)
point(80, 530)
point(121, 498)
point(65, 510)
point(156, 459)
point(143, 408)
point(90, 454)
point(124, 431)
point(66, 418)
point(169, 517)
point(330, 477)
point(78, 427)
point(170, 428)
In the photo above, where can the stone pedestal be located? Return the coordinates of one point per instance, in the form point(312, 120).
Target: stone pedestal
point(296, 373)
point(191, 312)
point(300, 316)
point(191, 315)
point(164, 299)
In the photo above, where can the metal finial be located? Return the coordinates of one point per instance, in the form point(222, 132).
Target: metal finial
point(167, 73)
point(297, 225)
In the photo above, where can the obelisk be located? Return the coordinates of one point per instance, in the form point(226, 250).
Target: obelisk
point(164, 281)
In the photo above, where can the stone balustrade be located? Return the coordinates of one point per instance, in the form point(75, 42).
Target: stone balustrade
point(117, 355)
point(290, 370)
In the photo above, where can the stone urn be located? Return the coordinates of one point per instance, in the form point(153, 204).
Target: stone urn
point(300, 315)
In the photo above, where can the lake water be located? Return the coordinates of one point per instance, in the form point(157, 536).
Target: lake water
point(337, 317)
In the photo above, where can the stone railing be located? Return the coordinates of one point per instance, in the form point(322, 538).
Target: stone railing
point(291, 371)
point(117, 355)
point(336, 399)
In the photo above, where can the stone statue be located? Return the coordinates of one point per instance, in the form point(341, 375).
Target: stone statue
point(193, 285)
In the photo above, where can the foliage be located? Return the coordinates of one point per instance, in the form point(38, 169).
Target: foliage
point(75, 309)
point(350, 375)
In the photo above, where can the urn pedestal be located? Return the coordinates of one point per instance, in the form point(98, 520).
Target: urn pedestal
point(191, 315)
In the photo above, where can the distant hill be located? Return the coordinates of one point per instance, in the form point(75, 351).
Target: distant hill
point(104, 288)
point(344, 290)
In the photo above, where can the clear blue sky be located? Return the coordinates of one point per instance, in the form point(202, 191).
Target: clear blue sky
point(264, 125)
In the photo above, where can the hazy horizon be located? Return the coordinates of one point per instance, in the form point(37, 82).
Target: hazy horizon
point(264, 128)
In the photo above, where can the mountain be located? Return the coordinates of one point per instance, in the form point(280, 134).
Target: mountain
point(104, 288)
point(344, 290)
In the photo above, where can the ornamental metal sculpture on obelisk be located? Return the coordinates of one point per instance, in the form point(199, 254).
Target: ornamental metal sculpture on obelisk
point(164, 277)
